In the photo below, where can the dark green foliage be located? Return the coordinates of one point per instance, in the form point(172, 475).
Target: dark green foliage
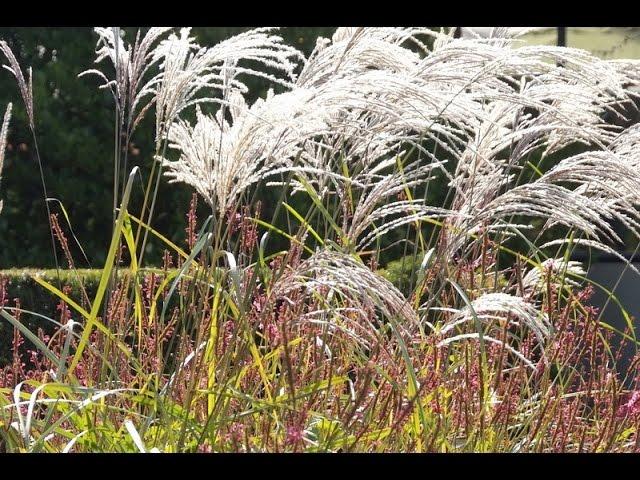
point(35, 298)
point(402, 271)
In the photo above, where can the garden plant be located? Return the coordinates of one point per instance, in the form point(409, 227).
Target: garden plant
point(413, 288)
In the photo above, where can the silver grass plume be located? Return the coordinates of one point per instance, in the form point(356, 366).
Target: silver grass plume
point(585, 191)
point(374, 208)
point(592, 244)
point(4, 131)
point(492, 306)
point(222, 160)
point(490, 309)
point(512, 128)
point(363, 97)
point(131, 64)
point(339, 279)
point(555, 270)
point(485, 84)
point(188, 69)
point(25, 86)
point(353, 50)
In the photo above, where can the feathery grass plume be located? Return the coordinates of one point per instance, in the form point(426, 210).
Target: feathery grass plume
point(338, 279)
point(4, 131)
point(585, 242)
point(375, 208)
point(26, 91)
point(353, 50)
point(605, 189)
point(460, 90)
point(565, 91)
point(555, 270)
point(455, 96)
point(488, 305)
point(221, 160)
point(480, 176)
point(626, 144)
point(370, 73)
point(131, 64)
point(485, 61)
point(491, 307)
point(397, 103)
point(555, 203)
point(25, 87)
point(187, 69)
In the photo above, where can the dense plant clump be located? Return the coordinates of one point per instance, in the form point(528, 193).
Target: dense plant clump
point(483, 342)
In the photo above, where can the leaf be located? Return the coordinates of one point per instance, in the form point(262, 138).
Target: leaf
point(106, 273)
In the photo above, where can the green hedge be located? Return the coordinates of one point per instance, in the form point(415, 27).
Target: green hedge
point(35, 298)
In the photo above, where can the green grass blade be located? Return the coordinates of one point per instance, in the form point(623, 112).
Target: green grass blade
point(106, 273)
